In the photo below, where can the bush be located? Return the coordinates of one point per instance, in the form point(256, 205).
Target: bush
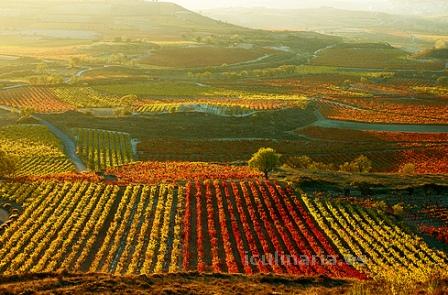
point(408, 169)
point(362, 164)
point(398, 209)
point(381, 205)
point(306, 163)
point(8, 165)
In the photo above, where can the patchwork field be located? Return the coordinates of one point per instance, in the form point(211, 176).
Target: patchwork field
point(146, 148)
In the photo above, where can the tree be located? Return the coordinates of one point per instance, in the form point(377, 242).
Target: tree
point(265, 160)
point(362, 164)
point(8, 166)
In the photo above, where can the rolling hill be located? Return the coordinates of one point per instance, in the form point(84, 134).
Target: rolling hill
point(26, 22)
point(438, 53)
point(96, 19)
point(324, 19)
point(401, 30)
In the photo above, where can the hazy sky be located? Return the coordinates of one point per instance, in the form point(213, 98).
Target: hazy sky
point(397, 6)
point(198, 4)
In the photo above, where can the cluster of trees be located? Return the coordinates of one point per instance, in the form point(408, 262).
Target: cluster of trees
point(362, 164)
point(267, 160)
point(46, 80)
point(44, 77)
point(220, 40)
point(112, 59)
point(285, 70)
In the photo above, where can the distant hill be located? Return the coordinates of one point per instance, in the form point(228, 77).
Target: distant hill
point(324, 19)
point(137, 19)
point(441, 53)
point(361, 26)
point(90, 19)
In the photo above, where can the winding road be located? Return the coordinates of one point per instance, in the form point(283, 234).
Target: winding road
point(69, 144)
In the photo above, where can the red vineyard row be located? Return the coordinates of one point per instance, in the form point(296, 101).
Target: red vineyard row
point(237, 227)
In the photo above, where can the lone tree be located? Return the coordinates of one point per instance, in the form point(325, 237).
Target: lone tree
point(8, 165)
point(265, 160)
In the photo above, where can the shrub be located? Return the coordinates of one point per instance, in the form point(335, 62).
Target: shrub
point(362, 164)
point(408, 169)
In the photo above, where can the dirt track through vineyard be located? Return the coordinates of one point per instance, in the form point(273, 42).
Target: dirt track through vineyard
point(69, 144)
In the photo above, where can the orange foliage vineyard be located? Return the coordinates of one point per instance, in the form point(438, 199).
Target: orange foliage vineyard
point(41, 100)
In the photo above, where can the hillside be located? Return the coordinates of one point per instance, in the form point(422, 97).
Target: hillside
point(56, 26)
point(438, 53)
point(359, 25)
point(324, 18)
point(96, 19)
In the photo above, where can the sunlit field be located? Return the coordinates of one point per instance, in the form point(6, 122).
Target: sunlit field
point(151, 147)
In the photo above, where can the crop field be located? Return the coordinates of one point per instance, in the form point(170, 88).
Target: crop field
point(85, 97)
point(335, 134)
point(212, 150)
point(216, 109)
point(207, 226)
point(437, 212)
point(202, 56)
point(427, 160)
point(440, 233)
point(388, 152)
point(426, 151)
point(172, 172)
point(371, 57)
point(231, 220)
point(37, 151)
point(41, 100)
point(179, 154)
point(226, 107)
point(377, 111)
point(149, 89)
point(432, 160)
point(387, 250)
point(102, 148)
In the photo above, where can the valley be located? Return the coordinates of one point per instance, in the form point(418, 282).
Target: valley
point(145, 147)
